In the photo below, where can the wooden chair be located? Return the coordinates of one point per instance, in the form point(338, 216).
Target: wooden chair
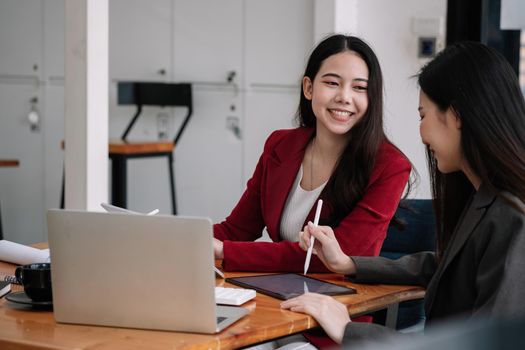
point(147, 94)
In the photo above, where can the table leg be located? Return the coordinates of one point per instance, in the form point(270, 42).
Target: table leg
point(119, 181)
point(391, 316)
point(172, 184)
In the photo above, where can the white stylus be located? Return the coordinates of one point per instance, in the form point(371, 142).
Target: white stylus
point(312, 238)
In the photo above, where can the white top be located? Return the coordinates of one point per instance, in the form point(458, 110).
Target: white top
point(297, 207)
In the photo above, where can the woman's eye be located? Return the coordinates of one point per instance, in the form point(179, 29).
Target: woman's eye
point(331, 83)
point(360, 88)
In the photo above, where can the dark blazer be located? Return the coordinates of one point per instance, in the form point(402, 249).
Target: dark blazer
point(361, 232)
point(482, 271)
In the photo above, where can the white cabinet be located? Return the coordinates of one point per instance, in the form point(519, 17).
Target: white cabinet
point(265, 112)
point(140, 49)
point(20, 38)
point(140, 39)
point(53, 124)
point(278, 40)
point(194, 41)
point(279, 37)
point(53, 100)
point(260, 45)
point(54, 38)
point(208, 158)
point(21, 188)
point(207, 40)
point(207, 164)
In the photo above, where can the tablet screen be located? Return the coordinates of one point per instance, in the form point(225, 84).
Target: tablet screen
point(289, 285)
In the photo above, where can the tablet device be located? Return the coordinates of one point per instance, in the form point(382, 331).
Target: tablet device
point(289, 285)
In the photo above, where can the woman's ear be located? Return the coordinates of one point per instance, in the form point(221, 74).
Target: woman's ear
point(457, 119)
point(453, 116)
point(307, 88)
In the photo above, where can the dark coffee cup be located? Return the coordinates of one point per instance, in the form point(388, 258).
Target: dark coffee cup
point(36, 279)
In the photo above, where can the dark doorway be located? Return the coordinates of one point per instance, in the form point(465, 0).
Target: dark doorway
point(479, 20)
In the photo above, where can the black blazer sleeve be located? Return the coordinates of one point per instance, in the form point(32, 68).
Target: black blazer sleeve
point(356, 332)
point(500, 279)
point(415, 268)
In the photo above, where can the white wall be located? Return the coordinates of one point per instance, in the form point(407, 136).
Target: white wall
point(266, 98)
point(387, 26)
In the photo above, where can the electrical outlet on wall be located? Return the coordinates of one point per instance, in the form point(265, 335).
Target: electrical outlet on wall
point(430, 35)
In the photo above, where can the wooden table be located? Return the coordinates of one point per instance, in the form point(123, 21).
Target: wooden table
point(24, 328)
point(120, 152)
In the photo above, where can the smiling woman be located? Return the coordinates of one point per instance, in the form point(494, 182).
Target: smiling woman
point(441, 132)
point(473, 124)
point(339, 153)
point(341, 98)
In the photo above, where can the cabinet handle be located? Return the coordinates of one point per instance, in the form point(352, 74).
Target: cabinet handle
point(162, 71)
point(33, 117)
point(234, 125)
point(230, 77)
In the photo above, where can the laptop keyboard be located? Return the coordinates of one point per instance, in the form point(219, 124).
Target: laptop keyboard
point(233, 296)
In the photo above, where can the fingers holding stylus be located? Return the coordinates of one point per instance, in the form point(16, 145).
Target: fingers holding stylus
point(323, 234)
point(327, 248)
point(304, 238)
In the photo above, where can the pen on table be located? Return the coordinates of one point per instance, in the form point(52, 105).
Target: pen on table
point(219, 272)
point(312, 238)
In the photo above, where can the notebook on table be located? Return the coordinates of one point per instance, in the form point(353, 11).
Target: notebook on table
point(138, 271)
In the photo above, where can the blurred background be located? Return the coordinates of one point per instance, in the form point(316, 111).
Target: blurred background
point(244, 60)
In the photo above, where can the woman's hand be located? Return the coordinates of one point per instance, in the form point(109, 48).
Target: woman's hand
point(327, 248)
point(218, 249)
point(331, 314)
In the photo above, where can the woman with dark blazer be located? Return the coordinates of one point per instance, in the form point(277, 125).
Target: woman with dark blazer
point(473, 125)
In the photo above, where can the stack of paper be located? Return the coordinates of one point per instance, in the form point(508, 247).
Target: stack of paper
point(21, 254)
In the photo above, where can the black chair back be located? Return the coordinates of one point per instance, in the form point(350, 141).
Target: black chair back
point(155, 94)
point(419, 233)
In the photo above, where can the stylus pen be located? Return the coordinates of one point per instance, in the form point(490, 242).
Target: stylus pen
point(312, 238)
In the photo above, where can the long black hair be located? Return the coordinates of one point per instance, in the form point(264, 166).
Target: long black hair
point(481, 87)
point(348, 182)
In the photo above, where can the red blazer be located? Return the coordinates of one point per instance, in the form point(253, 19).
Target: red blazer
point(360, 233)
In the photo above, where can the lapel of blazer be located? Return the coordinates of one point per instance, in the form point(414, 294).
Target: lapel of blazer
point(282, 167)
point(483, 198)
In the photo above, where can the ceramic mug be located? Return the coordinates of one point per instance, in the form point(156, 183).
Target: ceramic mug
point(36, 279)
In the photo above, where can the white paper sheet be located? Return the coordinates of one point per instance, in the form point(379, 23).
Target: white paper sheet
point(21, 254)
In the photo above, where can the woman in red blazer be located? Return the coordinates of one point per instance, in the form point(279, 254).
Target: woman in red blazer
point(339, 153)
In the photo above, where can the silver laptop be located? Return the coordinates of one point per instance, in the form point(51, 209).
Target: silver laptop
point(138, 271)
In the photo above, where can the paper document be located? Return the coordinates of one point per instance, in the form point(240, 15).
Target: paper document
point(21, 254)
point(114, 209)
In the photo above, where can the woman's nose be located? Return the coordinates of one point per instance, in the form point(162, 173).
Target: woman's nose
point(344, 96)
